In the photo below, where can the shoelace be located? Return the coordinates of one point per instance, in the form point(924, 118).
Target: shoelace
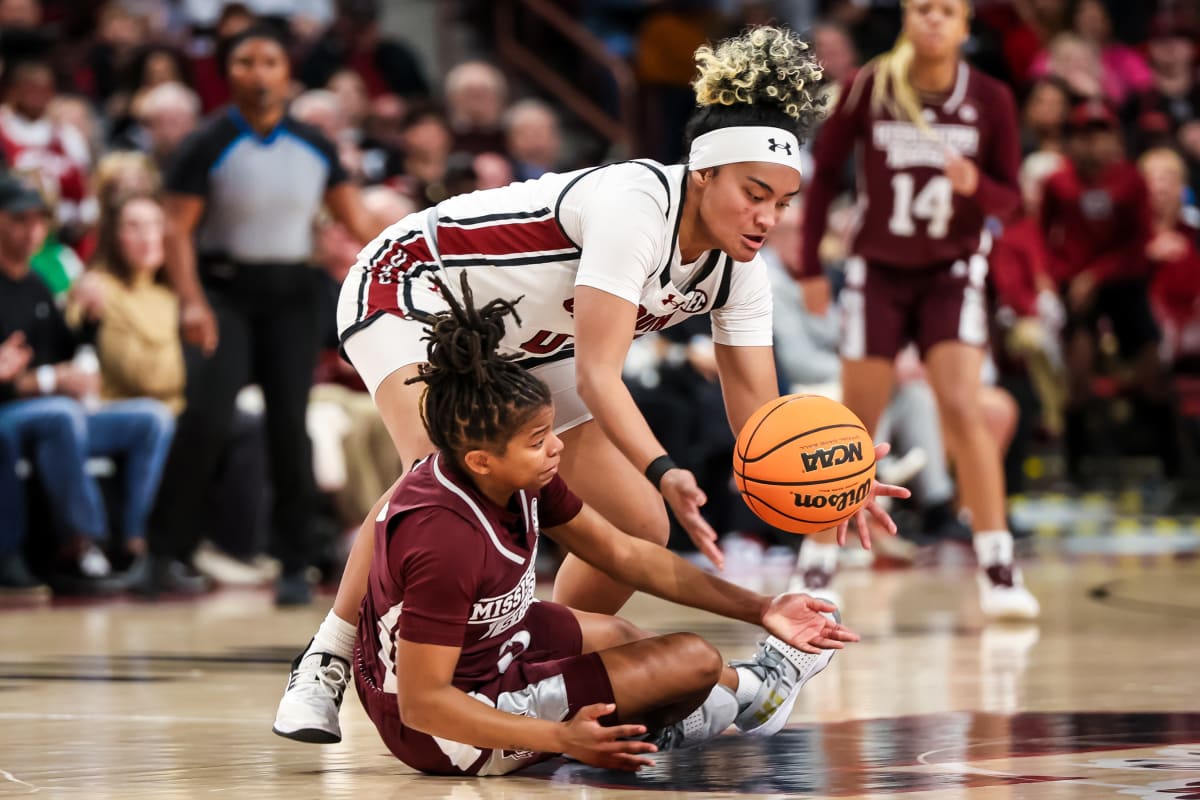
point(332, 678)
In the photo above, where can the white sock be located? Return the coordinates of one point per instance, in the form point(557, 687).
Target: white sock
point(335, 636)
point(993, 547)
point(814, 554)
point(716, 707)
point(747, 688)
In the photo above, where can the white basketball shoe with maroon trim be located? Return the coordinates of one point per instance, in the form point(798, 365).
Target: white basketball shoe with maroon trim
point(309, 708)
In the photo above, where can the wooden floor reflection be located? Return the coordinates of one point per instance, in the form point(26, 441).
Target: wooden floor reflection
point(1102, 699)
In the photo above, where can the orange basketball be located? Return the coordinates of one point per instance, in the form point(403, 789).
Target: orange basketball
point(804, 463)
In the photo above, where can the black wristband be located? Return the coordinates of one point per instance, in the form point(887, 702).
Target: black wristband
point(659, 467)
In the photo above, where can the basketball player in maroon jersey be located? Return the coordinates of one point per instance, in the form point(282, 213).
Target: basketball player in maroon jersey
point(463, 672)
point(600, 256)
point(936, 150)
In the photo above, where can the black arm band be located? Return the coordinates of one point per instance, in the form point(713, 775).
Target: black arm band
point(659, 467)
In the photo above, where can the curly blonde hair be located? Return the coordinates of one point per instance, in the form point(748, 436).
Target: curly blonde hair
point(768, 70)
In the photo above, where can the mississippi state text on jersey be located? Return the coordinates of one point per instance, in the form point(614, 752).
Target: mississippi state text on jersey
point(908, 212)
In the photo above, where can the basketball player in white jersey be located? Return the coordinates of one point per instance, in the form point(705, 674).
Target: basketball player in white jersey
point(597, 257)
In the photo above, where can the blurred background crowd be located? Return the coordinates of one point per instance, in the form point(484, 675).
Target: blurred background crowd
point(416, 100)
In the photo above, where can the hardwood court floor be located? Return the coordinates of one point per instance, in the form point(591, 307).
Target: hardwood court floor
point(126, 700)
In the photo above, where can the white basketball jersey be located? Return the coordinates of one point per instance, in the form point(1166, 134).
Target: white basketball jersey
point(614, 228)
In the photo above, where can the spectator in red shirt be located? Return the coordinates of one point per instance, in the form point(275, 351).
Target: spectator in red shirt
point(1175, 287)
point(353, 42)
point(1172, 50)
point(1097, 221)
point(1030, 312)
point(56, 157)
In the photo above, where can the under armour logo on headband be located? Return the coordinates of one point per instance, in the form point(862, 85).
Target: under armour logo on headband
point(784, 146)
point(744, 143)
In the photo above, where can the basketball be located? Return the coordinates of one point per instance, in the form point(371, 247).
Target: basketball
point(803, 463)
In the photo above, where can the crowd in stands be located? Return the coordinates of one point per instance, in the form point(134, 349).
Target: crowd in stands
point(100, 102)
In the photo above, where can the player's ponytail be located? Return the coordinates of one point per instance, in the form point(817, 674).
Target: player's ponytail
point(475, 398)
point(766, 76)
point(893, 92)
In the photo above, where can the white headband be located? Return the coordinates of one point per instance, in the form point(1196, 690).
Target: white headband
point(745, 143)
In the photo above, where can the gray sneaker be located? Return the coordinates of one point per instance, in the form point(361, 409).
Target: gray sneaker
point(781, 671)
point(707, 722)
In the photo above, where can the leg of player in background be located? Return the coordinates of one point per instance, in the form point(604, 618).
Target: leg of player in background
point(866, 390)
point(955, 370)
point(597, 471)
point(1000, 414)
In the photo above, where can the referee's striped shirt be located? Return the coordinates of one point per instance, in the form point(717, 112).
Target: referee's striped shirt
point(261, 193)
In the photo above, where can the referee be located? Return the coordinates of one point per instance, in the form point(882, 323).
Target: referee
point(241, 195)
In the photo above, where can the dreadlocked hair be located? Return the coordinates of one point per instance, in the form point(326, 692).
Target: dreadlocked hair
point(765, 76)
point(474, 398)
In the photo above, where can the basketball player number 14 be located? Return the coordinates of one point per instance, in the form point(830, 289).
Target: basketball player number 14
point(934, 203)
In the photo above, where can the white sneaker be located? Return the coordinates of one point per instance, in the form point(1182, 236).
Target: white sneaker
point(93, 563)
point(1003, 596)
point(308, 711)
point(705, 723)
point(781, 671)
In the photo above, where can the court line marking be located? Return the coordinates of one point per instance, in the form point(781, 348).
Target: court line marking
point(64, 717)
point(8, 776)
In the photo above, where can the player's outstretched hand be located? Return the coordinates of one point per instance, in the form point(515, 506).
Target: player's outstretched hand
point(872, 506)
point(585, 739)
point(798, 620)
point(684, 496)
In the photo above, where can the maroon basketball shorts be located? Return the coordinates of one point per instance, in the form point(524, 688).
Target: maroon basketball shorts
point(549, 679)
point(885, 307)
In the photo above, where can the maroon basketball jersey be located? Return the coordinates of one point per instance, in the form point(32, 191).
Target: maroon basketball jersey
point(909, 215)
point(453, 568)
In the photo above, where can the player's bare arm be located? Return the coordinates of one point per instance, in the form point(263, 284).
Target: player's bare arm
point(748, 380)
point(430, 703)
point(604, 330)
point(660, 572)
point(604, 325)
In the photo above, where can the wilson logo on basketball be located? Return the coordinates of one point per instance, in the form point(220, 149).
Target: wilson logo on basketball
point(832, 456)
point(837, 500)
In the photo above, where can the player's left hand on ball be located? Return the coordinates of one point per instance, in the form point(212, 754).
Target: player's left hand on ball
point(799, 620)
point(873, 507)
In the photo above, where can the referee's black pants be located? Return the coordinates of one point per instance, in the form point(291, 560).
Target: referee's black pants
point(268, 319)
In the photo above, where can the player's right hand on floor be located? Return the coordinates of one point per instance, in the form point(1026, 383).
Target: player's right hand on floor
point(585, 739)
